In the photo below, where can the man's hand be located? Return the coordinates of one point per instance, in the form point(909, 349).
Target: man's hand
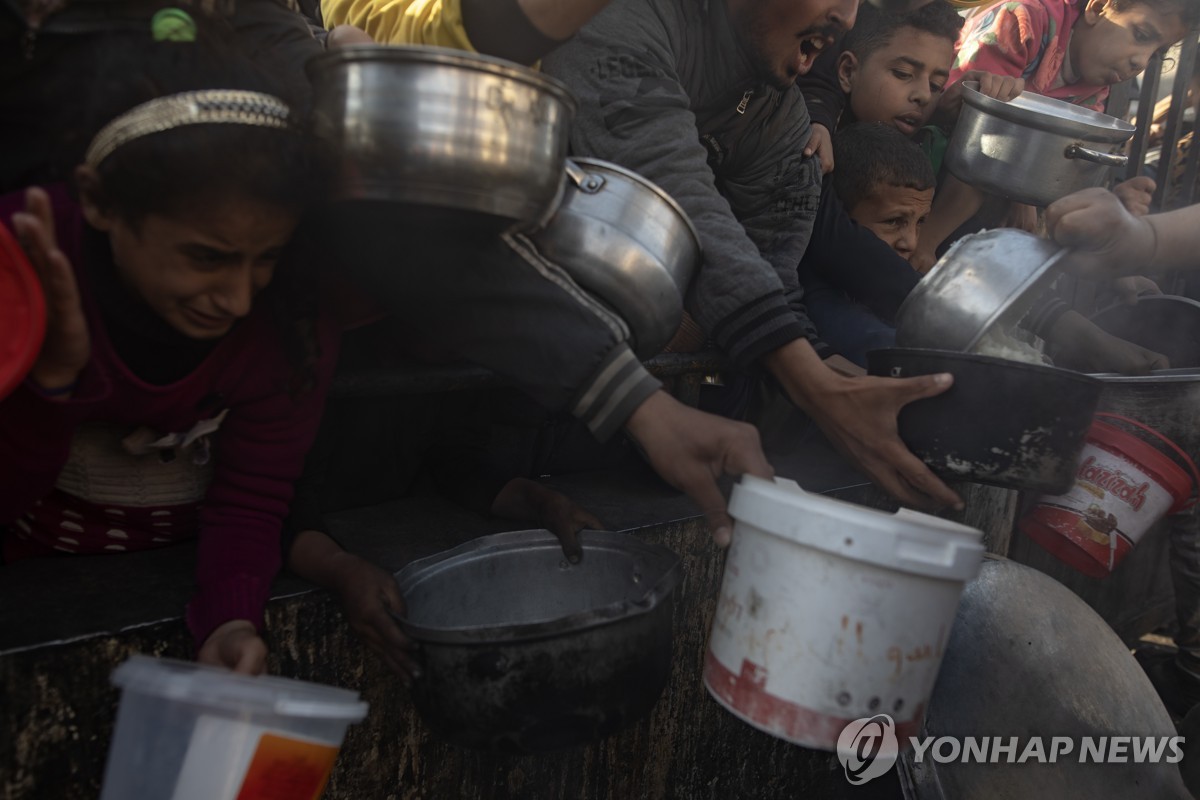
point(1136, 194)
point(1107, 240)
point(1079, 344)
point(1129, 289)
point(347, 36)
point(235, 645)
point(821, 143)
point(859, 417)
point(523, 500)
point(690, 449)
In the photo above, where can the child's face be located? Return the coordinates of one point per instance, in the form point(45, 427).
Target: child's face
point(200, 271)
point(894, 214)
point(900, 83)
point(1110, 46)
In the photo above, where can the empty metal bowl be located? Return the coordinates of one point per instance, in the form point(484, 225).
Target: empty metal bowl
point(984, 280)
point(525, 652)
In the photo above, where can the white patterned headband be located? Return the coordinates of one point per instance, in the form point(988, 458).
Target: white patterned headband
point(230, 106)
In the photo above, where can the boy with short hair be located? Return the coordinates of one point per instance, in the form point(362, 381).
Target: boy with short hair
point(885, 182)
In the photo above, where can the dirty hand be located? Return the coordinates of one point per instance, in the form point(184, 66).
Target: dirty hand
point(690, 449)
point(1022, 217)
point(859, 417)
point(1135, 194)
point(821, 143)
point(67, 346)
point(524, 500)
point(1107, 240)
point(1001, 87)
point(1081, 345)
point(1130, 288)
point(235, 645)
point(371, 601)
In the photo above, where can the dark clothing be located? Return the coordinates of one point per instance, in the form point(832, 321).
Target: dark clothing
point(495, 301)
point(48, 72)
point(666, 89)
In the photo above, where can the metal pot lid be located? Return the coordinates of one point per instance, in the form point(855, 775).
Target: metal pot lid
point(1048, 114)
point(517, 586)
point(419, 55)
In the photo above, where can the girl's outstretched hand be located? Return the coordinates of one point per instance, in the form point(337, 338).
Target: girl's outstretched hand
point(235, 645)
point(67, 346)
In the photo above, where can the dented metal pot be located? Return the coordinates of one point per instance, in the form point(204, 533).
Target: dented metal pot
point(524, 652)
point(1003, 423)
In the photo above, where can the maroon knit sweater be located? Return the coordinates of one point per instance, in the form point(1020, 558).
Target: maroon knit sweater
point(232, 488)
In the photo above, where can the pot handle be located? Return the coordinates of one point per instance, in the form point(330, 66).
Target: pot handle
point(1178, 450)
point(587, 182)
point(1095, 156)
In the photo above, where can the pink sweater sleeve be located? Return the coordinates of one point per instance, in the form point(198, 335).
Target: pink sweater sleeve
point(1005, 40)
point(260, 453)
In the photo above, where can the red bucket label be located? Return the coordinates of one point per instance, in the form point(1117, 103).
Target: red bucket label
point(1108, 510)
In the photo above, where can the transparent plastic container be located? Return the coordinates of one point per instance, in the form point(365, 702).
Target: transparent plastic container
point(186, 731)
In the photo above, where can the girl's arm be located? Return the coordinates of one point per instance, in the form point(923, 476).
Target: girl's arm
point(260, 453)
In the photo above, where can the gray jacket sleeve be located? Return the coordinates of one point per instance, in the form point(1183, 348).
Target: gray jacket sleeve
point(495, 301)
point(634, 111)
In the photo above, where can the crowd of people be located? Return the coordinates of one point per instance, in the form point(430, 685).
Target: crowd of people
point(200, 285)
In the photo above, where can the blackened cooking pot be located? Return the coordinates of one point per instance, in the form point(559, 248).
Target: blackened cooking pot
point(524, 652)
point(1003, 423)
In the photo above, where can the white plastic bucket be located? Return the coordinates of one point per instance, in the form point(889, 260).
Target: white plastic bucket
point(831, 612)
point(190, 732)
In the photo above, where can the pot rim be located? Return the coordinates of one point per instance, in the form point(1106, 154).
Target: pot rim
point(646, 183)
point(1090, 126)
point(954, 356)
point(1154, 377)
point(425, 55)
point(577, 622)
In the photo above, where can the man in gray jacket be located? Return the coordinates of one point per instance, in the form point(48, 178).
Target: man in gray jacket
point(699, 96)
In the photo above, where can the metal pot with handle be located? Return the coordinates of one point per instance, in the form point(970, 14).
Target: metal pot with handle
point(627, 242)
point(1033, 149)
point(442, 129)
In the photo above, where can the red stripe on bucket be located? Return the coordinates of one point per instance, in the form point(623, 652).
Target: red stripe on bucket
point(746, 696)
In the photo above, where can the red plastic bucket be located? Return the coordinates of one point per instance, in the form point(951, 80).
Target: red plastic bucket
point(22, 314)
point(1123, 486)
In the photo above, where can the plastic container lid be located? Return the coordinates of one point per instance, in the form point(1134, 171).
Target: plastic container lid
point(22, 314)
point(907, 541)
point(213, 687)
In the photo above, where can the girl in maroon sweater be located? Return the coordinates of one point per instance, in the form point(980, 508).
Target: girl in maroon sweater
point(185, 366)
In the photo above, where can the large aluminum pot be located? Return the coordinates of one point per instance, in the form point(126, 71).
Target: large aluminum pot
point(627, 242)
point(1033, 149)
point(525, 652)
point(986, 280)
point(435, 127)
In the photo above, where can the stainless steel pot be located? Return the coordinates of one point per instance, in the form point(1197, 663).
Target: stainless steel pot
point(525, 652)
point(1167, 400)
point(627, 242)
point(442, 128)
point(1032, 149)
point(984, 281)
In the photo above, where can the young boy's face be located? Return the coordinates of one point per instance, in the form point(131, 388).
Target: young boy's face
point(894, 214)
point(900, 83)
